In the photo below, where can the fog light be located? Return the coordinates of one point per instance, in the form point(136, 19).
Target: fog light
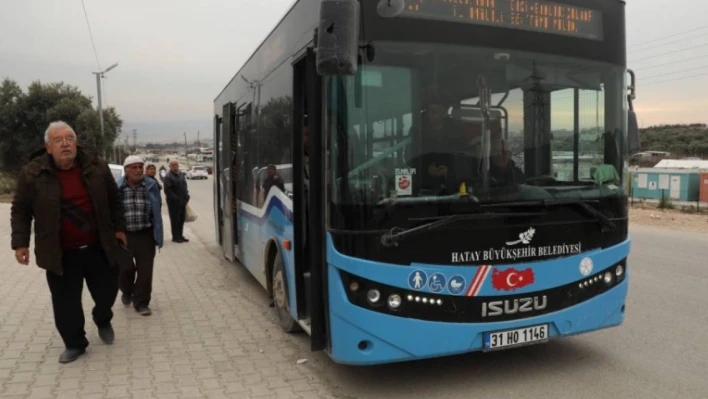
point(608, 278)
point(373, 295)
point(619, 271)
point(354, 286)
point(394, 301)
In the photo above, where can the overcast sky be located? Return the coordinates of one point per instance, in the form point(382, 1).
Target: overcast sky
point(176, 55)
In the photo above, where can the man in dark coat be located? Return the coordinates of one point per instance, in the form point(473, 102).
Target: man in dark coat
point(177, 195)
point(78, 220)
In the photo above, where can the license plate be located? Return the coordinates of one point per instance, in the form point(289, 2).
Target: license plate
point(518, 337)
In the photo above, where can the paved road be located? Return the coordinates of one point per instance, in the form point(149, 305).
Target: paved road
point(660, 352)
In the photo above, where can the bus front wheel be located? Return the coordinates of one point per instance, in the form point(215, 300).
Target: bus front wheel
point(280, 297)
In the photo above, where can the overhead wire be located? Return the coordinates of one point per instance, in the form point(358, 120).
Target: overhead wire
point(653, 41)
point(93, 43)
point(671, 63)
point(675, 79)
point(655, 46)
point(663, 75)
point(671, 52)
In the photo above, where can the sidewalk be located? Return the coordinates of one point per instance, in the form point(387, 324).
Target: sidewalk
point(211, 335)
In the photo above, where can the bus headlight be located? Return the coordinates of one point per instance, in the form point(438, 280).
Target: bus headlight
point(394, 301)
point(373, 295)
point(619, 271)
point(607, 278)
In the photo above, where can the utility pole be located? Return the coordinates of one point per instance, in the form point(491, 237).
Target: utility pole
point(135, 139)
point(186, 150)
point(115, 146)
point(99, 75)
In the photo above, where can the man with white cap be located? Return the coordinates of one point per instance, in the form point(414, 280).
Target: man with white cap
point(143, 219)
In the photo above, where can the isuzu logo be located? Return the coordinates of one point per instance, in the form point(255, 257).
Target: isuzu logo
point(512, 306)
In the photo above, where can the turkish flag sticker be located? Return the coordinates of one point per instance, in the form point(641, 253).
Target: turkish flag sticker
point(511, 279)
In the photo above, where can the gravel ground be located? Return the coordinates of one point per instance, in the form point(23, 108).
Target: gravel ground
point(673, 219)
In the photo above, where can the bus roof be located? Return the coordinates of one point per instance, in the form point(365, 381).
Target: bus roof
point(255, 51)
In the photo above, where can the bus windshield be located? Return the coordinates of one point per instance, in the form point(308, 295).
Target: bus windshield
point(430, 121)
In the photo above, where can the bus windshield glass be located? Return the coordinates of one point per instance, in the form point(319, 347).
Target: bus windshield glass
point(435, 122)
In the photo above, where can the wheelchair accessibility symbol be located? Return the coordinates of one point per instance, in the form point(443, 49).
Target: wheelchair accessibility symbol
point(437, 282)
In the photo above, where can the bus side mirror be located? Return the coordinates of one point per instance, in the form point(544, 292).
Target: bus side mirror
point(633, 139)
point(338, 37)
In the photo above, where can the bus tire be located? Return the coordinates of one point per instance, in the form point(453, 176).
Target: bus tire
point(280, 297)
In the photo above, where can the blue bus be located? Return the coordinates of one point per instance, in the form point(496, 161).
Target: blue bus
point(364, 173)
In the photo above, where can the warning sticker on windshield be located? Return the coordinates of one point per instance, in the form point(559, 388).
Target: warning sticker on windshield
point(404, 181)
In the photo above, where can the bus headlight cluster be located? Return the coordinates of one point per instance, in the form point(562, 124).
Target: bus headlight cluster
point(609, 277)
point(430, 301)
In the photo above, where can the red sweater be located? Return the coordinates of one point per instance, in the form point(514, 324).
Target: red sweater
point(78, 222)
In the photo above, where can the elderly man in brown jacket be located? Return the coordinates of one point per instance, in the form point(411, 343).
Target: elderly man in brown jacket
point(78, 222)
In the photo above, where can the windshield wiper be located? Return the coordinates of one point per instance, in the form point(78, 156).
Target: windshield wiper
point(394, 236)
point(582, 204)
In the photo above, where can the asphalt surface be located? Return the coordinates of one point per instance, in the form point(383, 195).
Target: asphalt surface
point(661, 351)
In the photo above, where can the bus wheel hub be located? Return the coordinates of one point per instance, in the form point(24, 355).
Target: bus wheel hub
point(279, 290)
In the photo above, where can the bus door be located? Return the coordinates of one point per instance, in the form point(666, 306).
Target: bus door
point(230, 221)
point(309, 200)
point(218, 187)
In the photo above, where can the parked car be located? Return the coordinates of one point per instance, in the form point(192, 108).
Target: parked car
point(117, 170)
point(197, 172)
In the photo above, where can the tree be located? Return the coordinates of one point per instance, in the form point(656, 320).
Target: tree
point(680, 140)
point(24, 117)
point(11, 123)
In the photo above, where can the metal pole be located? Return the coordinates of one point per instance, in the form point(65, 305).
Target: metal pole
point(186, 150)
point(576, 134)
point(100, 110)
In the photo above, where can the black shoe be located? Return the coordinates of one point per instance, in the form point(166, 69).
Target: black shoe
point(143, 311)
point(126, 299)
point(71, 354)
point(184, 239)
point(107, 334)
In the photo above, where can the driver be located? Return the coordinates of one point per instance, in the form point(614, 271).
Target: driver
point(435, 140)
point(501, 167)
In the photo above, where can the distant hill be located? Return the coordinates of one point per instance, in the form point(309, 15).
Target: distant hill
point(679, 140)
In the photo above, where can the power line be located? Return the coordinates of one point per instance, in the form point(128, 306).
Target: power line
point(91, 35)
point(673, 62)
point(634, 51)
point(675, 79)
point(664, 75)
point(672, 52)
point(668, 37)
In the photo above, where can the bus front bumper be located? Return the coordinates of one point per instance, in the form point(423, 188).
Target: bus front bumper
point(361, 336)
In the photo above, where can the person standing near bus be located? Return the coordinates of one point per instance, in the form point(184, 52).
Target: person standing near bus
point(73, 199)
point(177, 195)
point(151, 172)
point(143, 217)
